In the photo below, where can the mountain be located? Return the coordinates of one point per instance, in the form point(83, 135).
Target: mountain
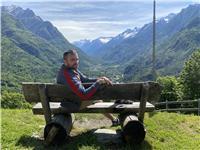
point(25, 57)
point(31, 53)
point(130, 52)
point(91, 47)
point(34, 54)
point(102, 44)
point(179, 38)
point(82, 44)
point(182, 44)
point(45, 30)
point(127, 34)
point(141, 42)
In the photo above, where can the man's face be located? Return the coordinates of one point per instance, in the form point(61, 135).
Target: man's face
point(72, 61)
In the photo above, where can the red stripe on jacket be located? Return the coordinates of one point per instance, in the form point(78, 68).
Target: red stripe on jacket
point(75, 89)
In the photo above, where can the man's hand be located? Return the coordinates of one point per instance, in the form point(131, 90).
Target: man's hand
point(101, 81)
point(105, 80)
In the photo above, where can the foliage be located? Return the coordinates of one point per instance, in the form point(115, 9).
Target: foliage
point(13, 100)
point(190, 76)
point(172, 90)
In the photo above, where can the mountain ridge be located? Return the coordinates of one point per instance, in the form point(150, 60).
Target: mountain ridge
point(37, 58)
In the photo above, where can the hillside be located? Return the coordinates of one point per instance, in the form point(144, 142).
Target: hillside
point(24, 56)
point(171, 54)
point(164, 131)
point(141, 42)
point(177, 37)
point(32, 49)
point(44, 30)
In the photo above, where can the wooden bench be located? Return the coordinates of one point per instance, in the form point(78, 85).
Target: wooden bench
point(48, 96)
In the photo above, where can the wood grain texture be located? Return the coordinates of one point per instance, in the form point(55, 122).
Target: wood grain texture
point(45, 102)
point(57, 92)
point(143, 99)
point(109, 107)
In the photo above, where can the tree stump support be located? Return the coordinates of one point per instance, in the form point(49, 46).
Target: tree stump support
point(133, 131)
point(58, 130)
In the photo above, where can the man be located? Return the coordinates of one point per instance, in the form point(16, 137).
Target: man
point(70, 75)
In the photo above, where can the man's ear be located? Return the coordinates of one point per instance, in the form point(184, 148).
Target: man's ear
point(65, 61)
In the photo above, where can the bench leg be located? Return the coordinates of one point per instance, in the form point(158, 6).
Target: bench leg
point(45, 103)
point(51, 135)
point(58, 130)
point(133, 131)
point(143, 100)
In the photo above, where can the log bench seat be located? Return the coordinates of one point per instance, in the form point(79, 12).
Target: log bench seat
point(103, 107)
point(48, 96)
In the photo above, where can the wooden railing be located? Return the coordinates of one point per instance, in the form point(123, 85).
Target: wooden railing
point(179, 106)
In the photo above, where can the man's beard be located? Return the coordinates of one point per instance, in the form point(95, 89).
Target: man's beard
point(75, 66)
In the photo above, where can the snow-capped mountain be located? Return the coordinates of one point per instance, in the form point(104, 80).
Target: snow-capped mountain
point(92, 46)
point(168, 18)
point(101, 43)
point(82, 43)
point(128, 33)
point(165, 20)
point(104, 40)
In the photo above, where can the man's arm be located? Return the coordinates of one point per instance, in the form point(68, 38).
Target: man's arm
point(77, 87)
point(85, 79)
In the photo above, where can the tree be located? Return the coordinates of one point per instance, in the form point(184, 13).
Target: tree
point(171, 88)
point(190, 77)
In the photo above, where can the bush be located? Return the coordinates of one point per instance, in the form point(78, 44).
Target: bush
point(172, 90)
point(13, 100)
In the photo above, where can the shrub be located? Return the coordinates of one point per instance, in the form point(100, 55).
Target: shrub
point(172, 90)
point(13, 100)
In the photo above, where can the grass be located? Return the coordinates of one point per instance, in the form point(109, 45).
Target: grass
point(23, 130)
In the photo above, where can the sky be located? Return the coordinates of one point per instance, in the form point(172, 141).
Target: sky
point(90, 19)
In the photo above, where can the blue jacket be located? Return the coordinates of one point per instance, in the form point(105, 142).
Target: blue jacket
point(73, 79)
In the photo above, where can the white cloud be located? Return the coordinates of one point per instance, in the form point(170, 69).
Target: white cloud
point(73, 30)
point(78, 19)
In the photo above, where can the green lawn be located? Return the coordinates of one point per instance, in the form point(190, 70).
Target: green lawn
point(22, 130)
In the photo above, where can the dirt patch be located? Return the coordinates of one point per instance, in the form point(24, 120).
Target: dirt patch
point(86, 124)
point(92, 123)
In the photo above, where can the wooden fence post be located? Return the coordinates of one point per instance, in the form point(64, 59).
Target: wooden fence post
point(198, 107)
point(166, 107)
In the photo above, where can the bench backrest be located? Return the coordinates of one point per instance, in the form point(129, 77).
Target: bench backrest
point(58, 93)
point(48, 92)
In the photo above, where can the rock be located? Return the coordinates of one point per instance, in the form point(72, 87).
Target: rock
point(107, 136)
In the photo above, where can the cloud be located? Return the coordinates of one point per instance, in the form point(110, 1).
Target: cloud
point(88, 30)
point(91, 19)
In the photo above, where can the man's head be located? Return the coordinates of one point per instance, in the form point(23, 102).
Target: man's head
point(71, 59)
